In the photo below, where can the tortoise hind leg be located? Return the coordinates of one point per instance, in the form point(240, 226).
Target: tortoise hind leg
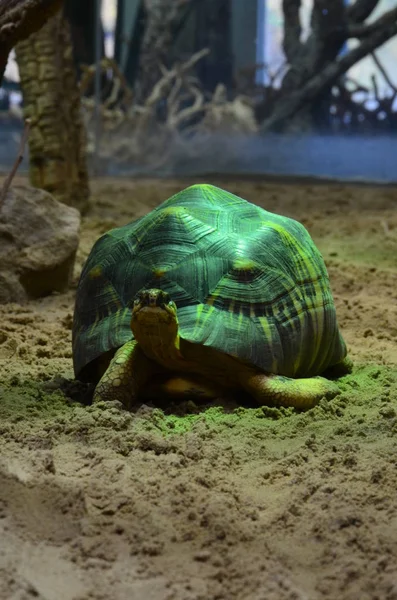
point(284, 391)
point(344, 367)
point(126, 375)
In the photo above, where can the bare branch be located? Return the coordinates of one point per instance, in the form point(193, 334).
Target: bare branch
point(164, 17)
point(18, 160)
point(292, 29)
point(177, 118)
point(375, 86)
point(384, 72)
point(359, 86)
point(363, 31)
point(361, 10)
point(292, 103)
point(167, 78)
point(329, 28)
point(329, 32)
point(135, 131)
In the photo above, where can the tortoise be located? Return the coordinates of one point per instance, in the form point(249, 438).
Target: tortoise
point(207, 293)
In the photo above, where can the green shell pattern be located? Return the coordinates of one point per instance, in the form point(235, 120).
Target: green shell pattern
point(246, 281)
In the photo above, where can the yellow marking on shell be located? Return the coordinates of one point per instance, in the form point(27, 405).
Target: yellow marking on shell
point(95, 272)
point(199, 310)
point(297, 328)
point(291, 240)
point(264, 321)
point(173, 210)
point(155, 218)
point(318, 317)
point(92, 327)
point(211, 299)
point(241, 318)
point(115, 301)
point(159, 272)
point(202, 317)
point(244, 264)
point(307, 270)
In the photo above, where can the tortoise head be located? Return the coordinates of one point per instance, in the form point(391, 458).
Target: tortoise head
point(154, 323)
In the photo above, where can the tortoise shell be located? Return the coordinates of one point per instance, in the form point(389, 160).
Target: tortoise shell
point(245, 281)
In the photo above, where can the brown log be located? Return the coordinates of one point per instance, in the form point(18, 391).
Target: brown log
point(20, 18)
point(57, 143)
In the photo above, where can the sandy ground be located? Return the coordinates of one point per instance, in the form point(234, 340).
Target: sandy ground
point(209, 503)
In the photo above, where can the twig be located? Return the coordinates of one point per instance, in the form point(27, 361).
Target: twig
point(359, 86)
point(292, 44)
point(383, 71)
point(375, 86)
point(387, 231)
point(160, 87)
point(17, 162)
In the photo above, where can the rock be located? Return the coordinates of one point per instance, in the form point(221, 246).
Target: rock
point(11, 289)
point(38, 243)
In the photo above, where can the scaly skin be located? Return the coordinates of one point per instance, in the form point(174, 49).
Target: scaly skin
point(128, 372)
point(284, 391)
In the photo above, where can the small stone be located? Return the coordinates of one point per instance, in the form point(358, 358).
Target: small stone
point(202, 556)
point(387, 412)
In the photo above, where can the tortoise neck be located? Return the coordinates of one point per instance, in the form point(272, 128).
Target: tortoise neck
point(160, 343)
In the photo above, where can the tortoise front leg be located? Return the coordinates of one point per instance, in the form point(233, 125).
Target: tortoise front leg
point(126, 375)
point(278, 390)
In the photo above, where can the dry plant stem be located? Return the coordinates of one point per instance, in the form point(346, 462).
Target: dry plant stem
point(17, 162)
point(386, 230)
point(120, 85)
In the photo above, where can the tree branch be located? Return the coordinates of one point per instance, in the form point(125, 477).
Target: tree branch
point(363, 31)
point(384, 72)
point(20, 18)
point(291, 104)
point(361, 10)
point(292, 29)
point(329, 29)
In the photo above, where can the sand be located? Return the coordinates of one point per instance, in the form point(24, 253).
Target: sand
point(217, 502)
